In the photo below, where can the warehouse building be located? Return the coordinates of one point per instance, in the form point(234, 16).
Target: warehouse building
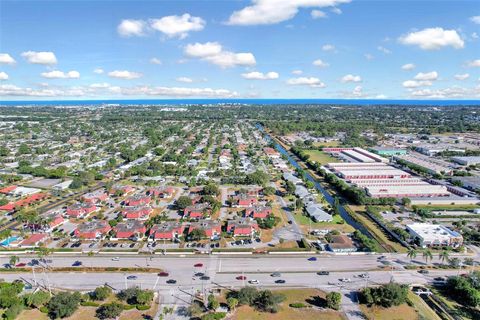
point(467, 161)
point(388, 152)
point(430, 235)
point(415, 191)
point(430, 165)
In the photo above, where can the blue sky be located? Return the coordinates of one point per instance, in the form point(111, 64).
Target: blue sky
point(257, 48)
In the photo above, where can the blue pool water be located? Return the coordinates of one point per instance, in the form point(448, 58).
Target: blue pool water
point(9, 240)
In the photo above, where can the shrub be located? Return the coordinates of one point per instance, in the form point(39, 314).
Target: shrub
point(12, 312)
point(143, 307)
point(43, 309)
point(109, 310)
point(64, 304)
point(297, 305)
point(333, 300)
point(89, 304)
point(214, 316)
point(101, 293)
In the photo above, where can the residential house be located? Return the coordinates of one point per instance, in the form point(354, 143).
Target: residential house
point(34, 240)
point(212, 228)
point(197, 210)
point(131, 229)
point(169, 230)
point(137, 212)
point(81, 209)
point(245, 227)
point(137, 200)
point(258, 212)
point(341, 243)
point(95, 229)
point(95, 197)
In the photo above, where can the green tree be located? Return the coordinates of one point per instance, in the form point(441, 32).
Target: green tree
point(412, 254)
point(247, 295)
point(109, 311)
point(268, 301)
point(63, 304)
point(427, 255)
point(213, 303)
point(333, 300)
point(232, 303)
point(37, 299)
point(183, 202)
point(101, 293)
point(196, 234)
point(13, 260)
point(444, 256)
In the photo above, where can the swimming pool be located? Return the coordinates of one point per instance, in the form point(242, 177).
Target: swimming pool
point(9, 240)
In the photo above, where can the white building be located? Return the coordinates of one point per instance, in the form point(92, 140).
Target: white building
point(431, 235)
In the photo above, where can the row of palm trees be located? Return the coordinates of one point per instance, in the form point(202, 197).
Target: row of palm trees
point(427, 254)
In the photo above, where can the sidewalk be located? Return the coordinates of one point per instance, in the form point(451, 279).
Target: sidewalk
point(350, 306)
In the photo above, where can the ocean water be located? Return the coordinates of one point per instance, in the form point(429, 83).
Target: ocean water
point(244, 101)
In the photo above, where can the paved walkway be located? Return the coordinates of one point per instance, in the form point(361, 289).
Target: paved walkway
point(350, 305)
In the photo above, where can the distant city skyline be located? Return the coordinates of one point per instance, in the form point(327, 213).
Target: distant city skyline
point(312, 49)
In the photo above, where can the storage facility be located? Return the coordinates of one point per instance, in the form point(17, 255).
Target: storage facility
point(425, 190)
point(431, 235)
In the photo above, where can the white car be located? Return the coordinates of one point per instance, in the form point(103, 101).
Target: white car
point(254, 281)
point(116, 259)
point(345, 280)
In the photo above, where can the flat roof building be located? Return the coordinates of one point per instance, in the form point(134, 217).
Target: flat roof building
point(466, 161)
point(431, 235)
point(426, 190)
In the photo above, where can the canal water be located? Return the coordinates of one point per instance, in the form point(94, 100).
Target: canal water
point(291, 158)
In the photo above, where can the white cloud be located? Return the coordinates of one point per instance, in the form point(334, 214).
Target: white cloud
point(475, 19)
point(42, 57)
point(328, 47)
point(462, 77)
point(3, 76)
point(98, 71)
point(351, 78)
point(297, 72)
point(306, 81)
point(318, 14)
point(124, 74)
point(416, 83)
point(155, 61)
point(428, 76)
point(474, 35)
point(56, 74)
point(178, 26)
point(336, 10)
point(129, 27)
point(452, 92)
point(5, 58)
point(408, 67)
point(320, 63)
point(213, 52)
point(275, 11)
point(102, 89)
point(369, 56)
point(474, 63)
point(433, 39)
point(384, 50)
point(184, 79)
point(255, 75)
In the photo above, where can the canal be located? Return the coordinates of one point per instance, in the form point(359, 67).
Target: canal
point(328, 197)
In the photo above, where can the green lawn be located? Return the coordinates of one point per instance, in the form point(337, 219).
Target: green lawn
point(449, 207)
point(304, 220)
point(320, 156)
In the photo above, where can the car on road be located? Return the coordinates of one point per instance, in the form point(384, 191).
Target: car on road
point(241, 278)
point(323, 273)
point(254, 281)
point(199, 274)
point(77, 263)
point(276, 274)
point(163, 274)
point(312, 259)
point(171, 281)
point(280, 281)
point(345, 280)
point(205, 278)
point(116, 259)
point(423, 271)
point(20, 265)
point(132, 278)
point(198, 265)
point(364, 276)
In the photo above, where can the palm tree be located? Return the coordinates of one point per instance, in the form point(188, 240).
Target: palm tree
point(13, 260)
point(427, 255)
point(444, 256)
point(412, 254)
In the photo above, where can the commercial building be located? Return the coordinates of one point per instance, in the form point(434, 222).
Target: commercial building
point(425, 190)
point(431, 235)
point(431, 165)
point(467, 161)
point(471, 183)
point(388, 152)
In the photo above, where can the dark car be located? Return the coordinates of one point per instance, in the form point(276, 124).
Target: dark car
point(312, 259)
point(199, 274)
point(423, 271)
point(77, 263)
point(279, 281)
point(198, 265)
point(205, 278)
point(323, 273)
point(132, 278)
point(171, 281)
point(163, 274)
point(241, 278)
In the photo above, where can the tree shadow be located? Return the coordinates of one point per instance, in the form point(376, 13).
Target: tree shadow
point(317, 301)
